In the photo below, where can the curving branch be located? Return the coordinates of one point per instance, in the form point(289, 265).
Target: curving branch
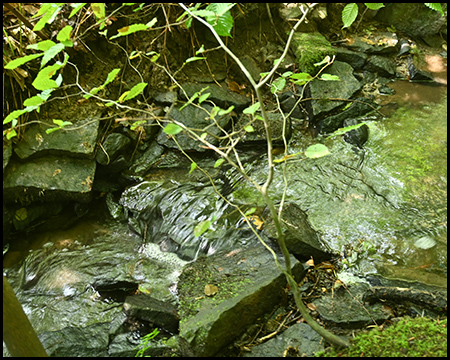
point(331, 338)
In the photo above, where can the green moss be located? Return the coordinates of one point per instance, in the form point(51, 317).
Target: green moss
point(311, 48)
point(418, 337)
point(192, 286)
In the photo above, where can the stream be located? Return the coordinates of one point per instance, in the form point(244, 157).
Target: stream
point(384, 215)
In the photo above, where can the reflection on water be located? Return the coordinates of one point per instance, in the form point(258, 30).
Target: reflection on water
point(413, 149)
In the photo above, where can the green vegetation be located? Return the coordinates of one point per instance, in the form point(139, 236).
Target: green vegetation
point(410, 337)
point(198, 276)
point(146, 343)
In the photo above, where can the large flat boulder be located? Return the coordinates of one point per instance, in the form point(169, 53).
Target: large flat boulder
point(222, 294)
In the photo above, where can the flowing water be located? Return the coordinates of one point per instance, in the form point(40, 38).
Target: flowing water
point(387, 214)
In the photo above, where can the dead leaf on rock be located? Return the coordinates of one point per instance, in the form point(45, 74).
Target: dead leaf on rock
point(211, 290)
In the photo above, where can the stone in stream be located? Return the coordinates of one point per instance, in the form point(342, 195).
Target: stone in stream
point(249, 284)
point(301, 239)
point(357, 137)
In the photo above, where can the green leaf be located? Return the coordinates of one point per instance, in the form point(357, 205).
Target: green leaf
point(278, 85)
point(300, 78)
point(21, 214)
point(349, 14)
point(219, 162)
point(49, 12)
point(99, 10)
point(14, 115)
point(317, 151)
point(51, 53)
point(374, 6)
point(61, 123)
point(194, 58)
point(127, 30)
point(111, 76)
point(43, 79)
point(201, 227)
point(222, 112)
point(193, 167)
point(136, 124)
point(342, 131)
point(425, 242)
point(42, 45)
point(204, 13)
point(329, 77)
point(203, 97)
point(193, 97)
point(326, 60)
point(34, 101)
point(135, 91)
point(250, 211)
point(276, 61)
point(220, 8)
point(172, 129)
point(221, 21)
point(155, 56)
point(10, 133)
point(199, 51)
point(436, 7)
point(64, 34)
point(76, 7)
point(20, 61)
point(249, 128)
point(252, 108)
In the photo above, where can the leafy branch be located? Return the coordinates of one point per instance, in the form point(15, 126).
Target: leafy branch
point(264, 189)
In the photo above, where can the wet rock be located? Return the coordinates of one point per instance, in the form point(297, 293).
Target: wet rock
point(300, 337)
point(287, 102)
point(413, 19)
point(156, 208)
point(345, 310)
point(405, 47)
point(7, 152)
point(249, 285)
point(355, 59)
point(195, 118)
point(158, 312)
point(356, 109)
point(357, 137)
point(276, 124)
point(78, 143)
point(166, 98)
point(381, 65)
point(415, 74)
point(111, 147)
point(144, 161)
point(220, 95)
point(386, 90)
point(344, 89)
point(51, 178)
point(435, 300)
point(301, 239)
point(89, 341)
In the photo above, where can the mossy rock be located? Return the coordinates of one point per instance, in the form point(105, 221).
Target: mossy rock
point(410, 337)
point(310, 48)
